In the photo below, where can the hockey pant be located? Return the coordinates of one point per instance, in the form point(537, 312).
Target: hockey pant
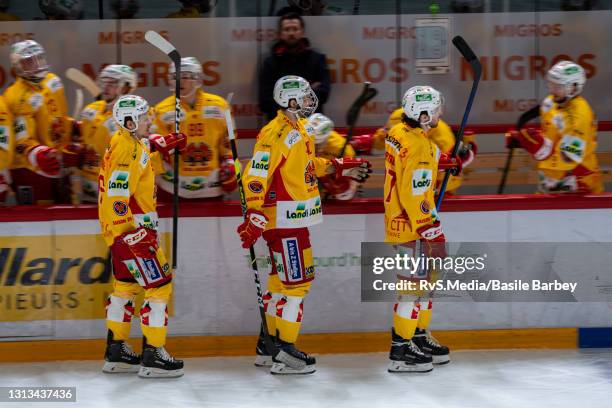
point(290, 278)
point(120, 304)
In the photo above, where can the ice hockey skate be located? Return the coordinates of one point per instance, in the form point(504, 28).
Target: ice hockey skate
point(405, 356)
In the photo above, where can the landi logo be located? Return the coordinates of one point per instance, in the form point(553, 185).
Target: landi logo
point(421, 181)
point(118, 184)
point(573, 147)
point(303, 210)
point(260, 164)
point(196, 184)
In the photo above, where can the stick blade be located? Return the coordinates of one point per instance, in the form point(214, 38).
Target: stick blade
point(464, 48)
point(155, 39)
point(468, 54)
point(366, 95)
point(83, 80)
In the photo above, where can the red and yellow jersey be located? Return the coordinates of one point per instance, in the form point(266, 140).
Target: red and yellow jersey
point(7, 139)
point(281, 178)
point(411, 167)
point(126, 187)
point(572, 129)
point(378, 140)
point(333, 146)
point(40, 114)
point(97, 128)
point(207, 144)
point(443, 136)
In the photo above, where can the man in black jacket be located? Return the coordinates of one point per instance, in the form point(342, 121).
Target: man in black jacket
point(292, 55)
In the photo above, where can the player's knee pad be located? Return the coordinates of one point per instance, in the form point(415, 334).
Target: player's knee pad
point(154, 314)
point(270, 301)
point(119, 309)
point(407, 307)
point(290, 308)
point(426, 304)
point(291, 255)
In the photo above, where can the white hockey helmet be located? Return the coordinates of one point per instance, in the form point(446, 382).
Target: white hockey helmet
point(29, 60)
point(189, 65)
point(294, 88)
point(130, 108)
point(569, 75)
point(322, 127)
point(123, 74)
point(422, 99)
point(62, 9)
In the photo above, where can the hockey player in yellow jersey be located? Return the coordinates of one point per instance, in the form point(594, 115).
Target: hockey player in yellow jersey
point(565, 148)
point(98, 125)
point(283, 200)
point(412, 161)
point(129, 221)
point(7, 150)
point(39, 157)
point(206, 169)
point(443, 136)
point(328, 145)
point(43, 129)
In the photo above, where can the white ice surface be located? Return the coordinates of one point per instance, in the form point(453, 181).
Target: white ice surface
point(504, 379)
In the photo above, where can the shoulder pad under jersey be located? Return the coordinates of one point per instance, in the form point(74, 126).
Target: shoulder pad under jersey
point(54, 83)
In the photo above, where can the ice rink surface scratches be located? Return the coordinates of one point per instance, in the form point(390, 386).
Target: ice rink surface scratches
point(492, 378)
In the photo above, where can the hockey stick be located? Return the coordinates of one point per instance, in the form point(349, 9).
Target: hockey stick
point(78, 103)
point(270, 348)
point(84, 81)
point(522, 120)
point(471, 58)
point(164, 46)
point(353, 113)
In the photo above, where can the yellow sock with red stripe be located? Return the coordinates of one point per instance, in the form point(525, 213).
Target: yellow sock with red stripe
point(425, 316)
point(405, 317)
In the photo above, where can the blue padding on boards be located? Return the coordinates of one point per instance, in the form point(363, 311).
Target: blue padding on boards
point(593, 337)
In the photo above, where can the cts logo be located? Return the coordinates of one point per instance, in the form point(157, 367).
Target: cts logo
point(260, 164)
point(118, 185)
point(421, 181)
